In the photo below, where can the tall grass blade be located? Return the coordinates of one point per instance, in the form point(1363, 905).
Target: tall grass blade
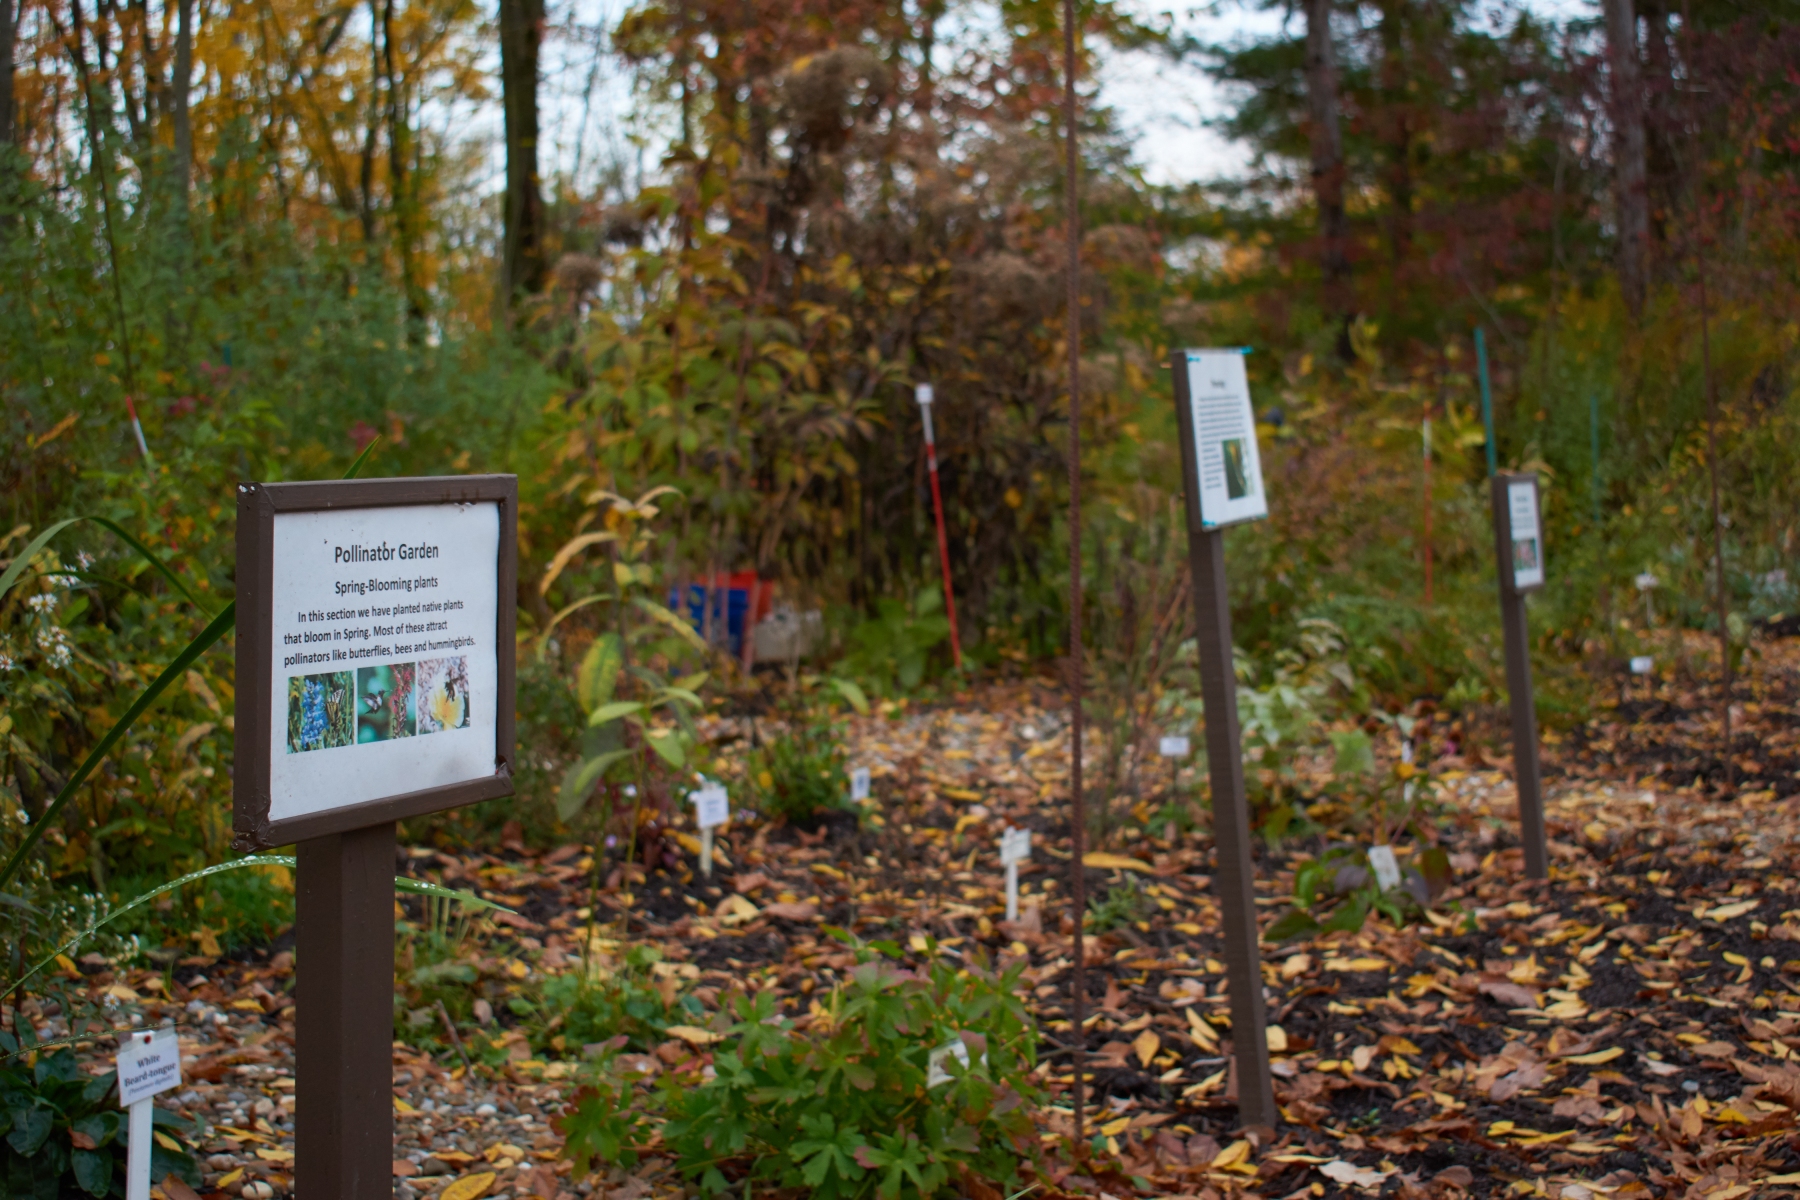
point(217, 629)
point(260, 860)
point(37, 543)
point(401, 883)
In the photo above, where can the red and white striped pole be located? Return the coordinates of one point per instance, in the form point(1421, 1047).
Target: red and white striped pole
point(922, 393)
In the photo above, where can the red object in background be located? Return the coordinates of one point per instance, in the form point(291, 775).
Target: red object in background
point(923, 394)
point(136, 428)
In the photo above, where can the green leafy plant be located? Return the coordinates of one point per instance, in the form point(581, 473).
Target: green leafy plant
point(1123, 905)
point(627, 1005)
point(639, 720)
point(801, 773)
point(844, 1103)
point(64, 1133)
point(892, 650)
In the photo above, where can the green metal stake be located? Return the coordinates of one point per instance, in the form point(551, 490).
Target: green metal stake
point(1487, 400)
point(1594, 442)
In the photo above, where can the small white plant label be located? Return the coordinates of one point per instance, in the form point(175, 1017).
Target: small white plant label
point(1015, 846)
point(1387, 870)
point(934, 1067)
point(1646, 581)
point(149, 1065)
point(712, 807)
point(1642, 664)
point(859, 784)
point(1173, 747)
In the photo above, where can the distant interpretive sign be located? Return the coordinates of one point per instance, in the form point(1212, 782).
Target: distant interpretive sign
point(1217, 391)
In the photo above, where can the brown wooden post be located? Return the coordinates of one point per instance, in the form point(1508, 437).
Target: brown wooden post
point(1527, 777)
point(344, 1018)
point(1235, 872)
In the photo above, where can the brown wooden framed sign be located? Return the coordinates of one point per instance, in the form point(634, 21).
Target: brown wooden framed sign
point(376, 651)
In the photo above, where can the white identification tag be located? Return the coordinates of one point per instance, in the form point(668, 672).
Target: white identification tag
point(149, 1065)
point(1387, 870)
point(711, 807)
point(859, 784)
point(1643, 664)
point(1015, 846)
point(1527, 540)
point(1173, 747)
point(934, 1070)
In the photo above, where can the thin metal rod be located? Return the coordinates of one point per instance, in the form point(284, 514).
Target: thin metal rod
point(1077, 802)
point(1487, 401)
point(937, 507)
point(1718, 525)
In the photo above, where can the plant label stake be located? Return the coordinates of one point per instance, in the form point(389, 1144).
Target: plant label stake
point(1015, 848)
point(1222, 476)
point(375, 669)
point(149, 1064)
point(1386, 866)
point(859, 784)
point(712, 808)
point(1173, 747)
point(1646, 584)
point(923, 394)
point(1519, 554)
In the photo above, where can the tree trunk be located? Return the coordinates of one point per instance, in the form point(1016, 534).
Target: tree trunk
point(1628, 153)
point(521, 26)
point(178, 102)
point(1397, 119)
point(1662, 123)
point(8, 38)
point(9, 131)
point(1328, 167)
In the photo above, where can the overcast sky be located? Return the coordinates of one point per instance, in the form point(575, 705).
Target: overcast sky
point(1165, 106)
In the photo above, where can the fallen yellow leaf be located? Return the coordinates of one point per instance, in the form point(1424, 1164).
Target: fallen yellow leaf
point(1231, 1155)
point(1203, 1033)
point(1597, 1057)
point(693, 1035)
point(1114, 862)
point(1277, 1039)
point(1115, 1128)
point(1356, 964)
point(1726, 912)
point(469, 1186)
point(1145, 1045)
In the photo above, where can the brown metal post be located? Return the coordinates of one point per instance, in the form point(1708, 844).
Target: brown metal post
point(344, 1027)
point(1235, 873)
point(1527, 778)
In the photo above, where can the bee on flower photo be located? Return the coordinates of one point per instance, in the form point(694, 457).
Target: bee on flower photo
point(442, 687)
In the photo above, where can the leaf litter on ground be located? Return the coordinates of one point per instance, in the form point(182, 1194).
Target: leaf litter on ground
point(1630, 1029)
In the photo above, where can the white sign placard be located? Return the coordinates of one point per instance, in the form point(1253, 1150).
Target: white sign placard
point(859, 784)
point(1642, 664)
point(712, 807)
point(1015, 846)
point(385, 675)
point(149, 1064)
point(1387, 868)
point(1229, 466)
point(934, 1067)
point(1527, 539)
point(1173, 747)
point(1646, 581)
